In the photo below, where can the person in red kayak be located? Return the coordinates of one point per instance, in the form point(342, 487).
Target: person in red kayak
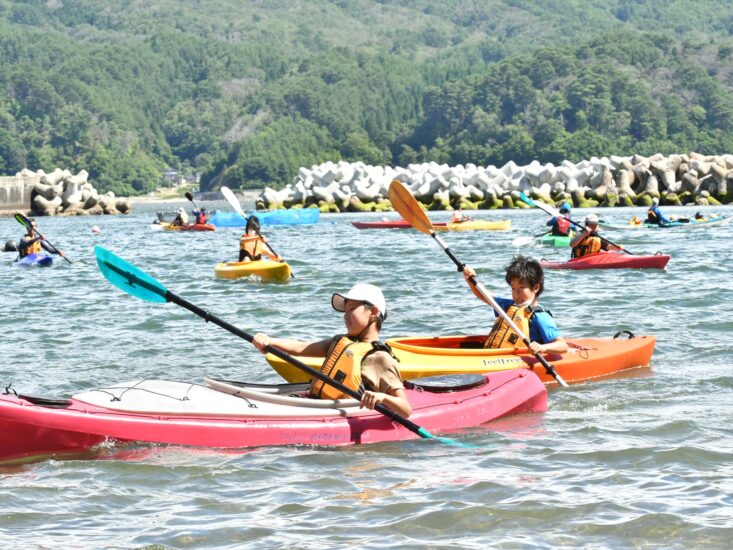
point(527, 281)
point(357, 359)
point(561, 226)
point(32, 244)
point(457, 216)
point(200, 216)
point(252, 245)
point(589, 241)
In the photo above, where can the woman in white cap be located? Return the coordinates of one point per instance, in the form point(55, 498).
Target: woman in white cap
point(357, 359)
point(654, 215)
point(181, 217)
point(589, 241)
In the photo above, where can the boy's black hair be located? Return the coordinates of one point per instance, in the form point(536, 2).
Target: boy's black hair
point(253, 224)
point(526, 269)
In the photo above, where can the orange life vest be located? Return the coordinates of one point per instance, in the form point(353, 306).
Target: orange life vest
point(502, 335)
point(252, 244)
point(34, 248)
point(590, 245)
point(343, 364)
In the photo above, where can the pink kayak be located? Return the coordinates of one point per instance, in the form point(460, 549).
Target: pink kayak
point(610, 260)
point(225, 414)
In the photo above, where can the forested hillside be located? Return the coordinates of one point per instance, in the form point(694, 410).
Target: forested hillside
point(246, 92)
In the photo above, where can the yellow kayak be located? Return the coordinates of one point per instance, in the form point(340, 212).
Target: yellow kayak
point(264, 269)
point(475, 225)
point(422, 356)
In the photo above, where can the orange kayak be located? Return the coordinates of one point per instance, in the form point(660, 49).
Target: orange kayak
point(422, 356)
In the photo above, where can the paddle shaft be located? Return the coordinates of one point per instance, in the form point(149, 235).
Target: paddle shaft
point(503, 314)
point(27, 223)
point(189, 196)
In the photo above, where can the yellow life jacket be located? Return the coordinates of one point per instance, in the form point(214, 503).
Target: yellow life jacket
point(502, 335)
point(343, 364)
point(251, 244)
point(34, 248)
point(589, 245)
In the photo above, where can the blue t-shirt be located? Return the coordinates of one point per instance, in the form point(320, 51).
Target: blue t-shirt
point(657, 217)
point(542, 327)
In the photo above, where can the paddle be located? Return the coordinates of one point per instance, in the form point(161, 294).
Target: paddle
point(234, 202)
point(139, 284)
point(25, 222)
point(405, 204)
point(553, 212)
point(523, 241)
point(189, 196)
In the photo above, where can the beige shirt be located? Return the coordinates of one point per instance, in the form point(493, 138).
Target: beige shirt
point(379, 373)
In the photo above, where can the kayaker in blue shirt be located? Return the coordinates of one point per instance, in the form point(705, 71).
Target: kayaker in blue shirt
point(200, 216)
point(527, 281)
point(31, 244)
point(654, 215)
point(561, 225)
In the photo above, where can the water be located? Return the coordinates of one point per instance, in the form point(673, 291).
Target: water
point(639, 461)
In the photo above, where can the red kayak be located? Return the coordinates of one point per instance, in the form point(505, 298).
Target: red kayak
point(610, 260)
point(223, 414)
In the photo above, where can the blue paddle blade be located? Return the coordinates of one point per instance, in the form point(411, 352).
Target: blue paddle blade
point(526, 199)
point(129, 278)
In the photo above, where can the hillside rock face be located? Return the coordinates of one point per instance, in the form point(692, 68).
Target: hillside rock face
point(65, 194)
point(608, 181)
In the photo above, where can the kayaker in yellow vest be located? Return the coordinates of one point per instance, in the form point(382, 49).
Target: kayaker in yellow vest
point(252, 245)
point(589, 241)
point(527, 280)
point(30, 243)
point(357, 359)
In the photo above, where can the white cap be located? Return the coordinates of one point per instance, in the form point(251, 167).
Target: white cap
point(591, 218)
point(361, 292)
point(655, 200)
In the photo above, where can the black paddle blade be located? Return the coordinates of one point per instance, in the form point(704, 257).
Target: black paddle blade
point(22, 220)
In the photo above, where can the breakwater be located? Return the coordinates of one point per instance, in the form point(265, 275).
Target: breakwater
point(684, 179)
point(57, 193)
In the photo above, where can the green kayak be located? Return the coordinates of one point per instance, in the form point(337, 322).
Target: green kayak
point(557, 241)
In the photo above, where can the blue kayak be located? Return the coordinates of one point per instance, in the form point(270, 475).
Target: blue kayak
point(40, 260)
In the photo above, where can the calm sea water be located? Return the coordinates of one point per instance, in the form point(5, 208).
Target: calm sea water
point(642, 461)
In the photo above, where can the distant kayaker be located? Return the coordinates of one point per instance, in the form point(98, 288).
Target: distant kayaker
point(654, 215)
point(561, 225)
point(589, 241)
point(252, 245)
point(181, 217)
point(457, 216)
point(358, 359)
point(527, 281)
point(200, 216)
point(32, 244)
